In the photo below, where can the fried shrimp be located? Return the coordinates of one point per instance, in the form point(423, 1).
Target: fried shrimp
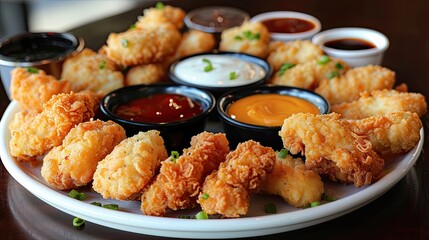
point(73, 163)
point(309, 74)
point(126, 171)
point(291, 180)
point(347, 87)
point(293, 52)
point(32, 87)
point(151, 44)
point(227, 191)
point(179, 181)
point(332, 148)
point(396, 132)
point(89, 70)
point(380, 102)
point(48, 129)
point(250, 38)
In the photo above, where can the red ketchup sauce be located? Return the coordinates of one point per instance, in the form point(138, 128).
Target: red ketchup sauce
point(288, 25)
point(159, 108)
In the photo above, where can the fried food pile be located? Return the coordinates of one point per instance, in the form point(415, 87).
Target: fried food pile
point(56, 126)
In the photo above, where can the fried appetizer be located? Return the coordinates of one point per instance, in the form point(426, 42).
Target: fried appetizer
point(293, 52)
point(179, 181)
point(48, 129)
point(146, 74)
point(309, 74)
point(162, 13)
point(126, 171)
point(291, 180)
point(347, 87)
point(32, 87)
point(331, 148)
point(396, 132)
point(227, 191)
point(89, 70)
point(380, 102)
point(73, 163)
point(20, 118)
point(151, 44)
point(193, 42)
point(250, 38)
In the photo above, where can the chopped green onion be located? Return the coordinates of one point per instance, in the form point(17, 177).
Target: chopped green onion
point(323, 60)
point(111, 206)
point(333, 74)
point(204, 196)
point(185, 216)
point(209, 65)
point(270, 208)
point(159, 5)
point(339, 66)
point(251, 36)
point(102, 64)
point(283, 153)
point(238, 38)
point(201, 215)
point(232, 75)
point(284, 67)
point(174, 156)
point(96, 204)
point(328, 198)
point(32, 70)
point(315, 204)
point(78, 223)
point(132, 26)
point(124, 43)
point(77, 195)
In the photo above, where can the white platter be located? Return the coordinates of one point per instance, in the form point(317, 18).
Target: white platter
point(255, 223)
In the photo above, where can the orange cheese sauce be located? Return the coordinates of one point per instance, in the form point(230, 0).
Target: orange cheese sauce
point(268, 109)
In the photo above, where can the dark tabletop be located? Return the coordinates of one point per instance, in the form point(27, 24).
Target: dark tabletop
point(401, 213)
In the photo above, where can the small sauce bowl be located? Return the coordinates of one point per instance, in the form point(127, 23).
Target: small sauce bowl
point(267, 134)
point(288, 26)
point(356, 46)
point(219, 72)
point(45, 50)
point(176, 133)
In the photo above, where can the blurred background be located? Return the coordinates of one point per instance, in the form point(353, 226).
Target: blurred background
point(56, 15)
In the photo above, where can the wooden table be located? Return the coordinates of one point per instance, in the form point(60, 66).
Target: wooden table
point(401, 213)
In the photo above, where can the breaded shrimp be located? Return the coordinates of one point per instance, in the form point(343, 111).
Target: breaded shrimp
point(48, 129)
point(126, 171)
point(291, 180)
point(396, 132)
point(308, 75)
point(347, 87)
point(168, 13)
point(293, 52)
point(331, 148)
point(32, 87)
point(380, 102)
point(250, 38)
point(146, 74)
point(227, 191)
point(179, 181)
point(73, 163)
point(89, 70)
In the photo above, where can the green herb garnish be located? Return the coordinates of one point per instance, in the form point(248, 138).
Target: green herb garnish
point(132, 26)
point(283, 153)
point(251, 36)
point(232, 75)
point(111, 206)
point(204, 196)
point(209, 66)
point(284, 67)
point(238, 38)
point(32, 70)
point(323, 60)
point(270, 208)
point(96, 204)
point(174, 156)
point(102, 64)
point(328, 198)
point(201, 215)
point(159, 5)
point(339, 66)
point(333, 74)
point(78, 223)
point(77, 195)
point(125, 43)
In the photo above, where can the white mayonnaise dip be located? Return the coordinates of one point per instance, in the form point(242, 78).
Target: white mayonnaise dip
point(223, 67)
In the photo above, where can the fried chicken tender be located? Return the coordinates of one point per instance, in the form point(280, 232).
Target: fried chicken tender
point(309, 74)
point(227, 191)
point(396, 132)
point(151, 44)
point(125, 172)
point(178, 183)
point(293, 52)
point(48, 129)
point(168, 13)
point(291, 180)
point(251, 38)
point(20, 118)
point(146, 74)
point(32, 87)
point(73, 163)
point(89, 70)
point(380, 102)
point(347, 87)
point(332, 148)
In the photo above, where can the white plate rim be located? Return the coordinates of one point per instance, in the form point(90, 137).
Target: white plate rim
point(221, 228)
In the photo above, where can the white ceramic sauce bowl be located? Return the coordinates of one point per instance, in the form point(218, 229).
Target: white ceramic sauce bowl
point(354, 58)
